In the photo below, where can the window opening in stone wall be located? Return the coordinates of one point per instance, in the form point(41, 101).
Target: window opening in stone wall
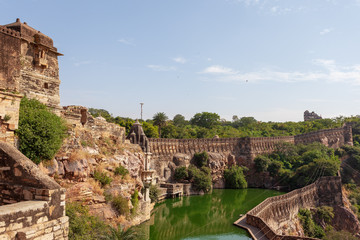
point(46, 85)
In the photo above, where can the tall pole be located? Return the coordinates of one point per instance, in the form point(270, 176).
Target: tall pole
point(141, 110)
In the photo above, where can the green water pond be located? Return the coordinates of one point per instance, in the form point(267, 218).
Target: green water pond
point(209, 216)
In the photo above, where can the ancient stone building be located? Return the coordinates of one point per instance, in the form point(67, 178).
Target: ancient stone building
point(29, 63)
point(310, 116)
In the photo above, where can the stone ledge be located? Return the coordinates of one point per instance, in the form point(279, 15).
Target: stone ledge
point(25, 206)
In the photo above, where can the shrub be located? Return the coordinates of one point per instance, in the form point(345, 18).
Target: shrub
point(311, 229)
point(201, 159)
point(135, 201)
point(40, 132)
point(154, 193)
point(274, 168)
point(261, 163)
point(132, 233)
point(121, 205)
point(234, 177)
point(122, 171)
point(102, 178)
point(325, 213)
point(192, 171)
point(7, 118)
point(202, 181)
point(83, 226)
point(181, 173)
point(206, 170)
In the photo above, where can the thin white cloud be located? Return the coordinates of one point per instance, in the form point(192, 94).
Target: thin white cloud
point(80, 63)
point(161, 68)
point(329, 71)
point(216, 69)
point(126, 41)
point(277, 10)
point(180, 60)
point(326, 31)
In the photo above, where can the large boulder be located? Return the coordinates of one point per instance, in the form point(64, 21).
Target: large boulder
point(78, 169)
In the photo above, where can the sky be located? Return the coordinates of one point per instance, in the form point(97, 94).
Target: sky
point(269, 59)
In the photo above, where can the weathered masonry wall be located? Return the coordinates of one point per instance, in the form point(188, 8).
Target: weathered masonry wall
point(29, 63)
point(228, 151)
point(275, 212)
point(9, 58)
point(9, 108)
point(32, 205)
point(333, 138)
point(246, 148)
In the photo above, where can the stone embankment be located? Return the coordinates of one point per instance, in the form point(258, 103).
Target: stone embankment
point(276, 217)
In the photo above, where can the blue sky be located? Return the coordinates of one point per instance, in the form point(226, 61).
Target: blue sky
point(270, 59)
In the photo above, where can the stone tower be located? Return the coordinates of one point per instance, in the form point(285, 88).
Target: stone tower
point(29, 64)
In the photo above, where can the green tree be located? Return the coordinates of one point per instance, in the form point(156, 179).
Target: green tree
point(179, 120)
point(160, 119)
point(205, 119)
point(201, 159)
point(234, 177)
point(101, 113)
point(261, 163)
point(181, 174)
point(40, 132)
point(150, 130)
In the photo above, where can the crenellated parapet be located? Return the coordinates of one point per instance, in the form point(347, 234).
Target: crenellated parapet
point(333, 138)
point(247, 148)
point(264, 145)
point(166, 148)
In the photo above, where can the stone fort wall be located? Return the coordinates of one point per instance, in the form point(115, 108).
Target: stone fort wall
point(240, 151)
point(246, 148)
point(276, 212)
point(29, 63)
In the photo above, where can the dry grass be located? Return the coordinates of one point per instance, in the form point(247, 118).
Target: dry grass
point(120, 220)
point(96, 186)
point(79, 155)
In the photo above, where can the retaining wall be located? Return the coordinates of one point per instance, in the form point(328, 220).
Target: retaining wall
point(275, 212)
point(32, 205)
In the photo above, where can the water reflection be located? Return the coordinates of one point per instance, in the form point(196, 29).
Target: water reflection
point(204, 217)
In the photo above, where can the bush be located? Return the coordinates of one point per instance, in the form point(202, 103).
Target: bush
point(181, 174)
point(135, 201)
point(202, 181)
point(83, 226)
point(234, 177)
point(325, 213)
point(121, 205)
point(261, 163)
point(122, 171)
point(102, 178)
point(201, 159)
point(274, 168)
point(311, 229)
point(40, 132)
point(154, 193)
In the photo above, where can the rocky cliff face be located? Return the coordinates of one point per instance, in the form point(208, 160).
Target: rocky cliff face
point(90, 149)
